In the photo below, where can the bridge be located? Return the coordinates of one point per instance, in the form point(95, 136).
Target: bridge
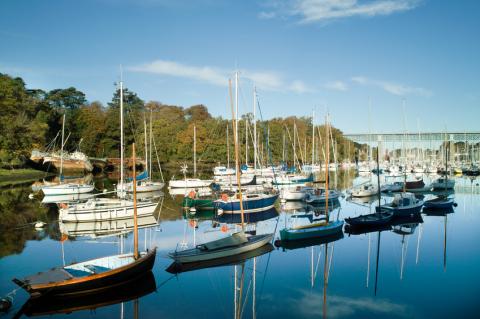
point(462, 146)
point(423, 137)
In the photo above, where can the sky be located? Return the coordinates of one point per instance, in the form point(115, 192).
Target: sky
point(374, 65)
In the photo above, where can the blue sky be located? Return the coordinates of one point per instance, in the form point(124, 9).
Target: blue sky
point(301, 54)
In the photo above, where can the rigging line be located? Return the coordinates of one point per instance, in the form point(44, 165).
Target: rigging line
point(158, 161)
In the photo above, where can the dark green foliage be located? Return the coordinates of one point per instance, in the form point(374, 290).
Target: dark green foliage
point(31, 118)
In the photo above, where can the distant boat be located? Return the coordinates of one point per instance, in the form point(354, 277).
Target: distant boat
point(66, 188)
point(365, 190)
point(93, 275)
point(292, 179)
point(412, 185)
point(252, 203)
point(319, 196)
point(189, 183)
point(442, 183)
point(439, 202)
point(403, 204)
point(391, 188)
point(375, 219)
point(293, 193)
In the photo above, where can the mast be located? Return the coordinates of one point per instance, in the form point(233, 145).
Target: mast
point(294, 142)
point(254, 128)
point(313, 138)
point(237, 166)
point(236, 108)
point(135, 222)
point(378, 178)
point(151, 137)
point(121, 136)
point(327, 160)
point(194, 151)
point(283, 147)
point(246, 141)
point(61, 152)
point(228, 149)
point(146, 145)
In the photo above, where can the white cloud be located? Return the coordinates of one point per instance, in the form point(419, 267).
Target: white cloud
point(207, 74)
point(393, 88)
point(310, 11)
point(266, 80)
point(266, 15)
point(336, 85)
point(310, 305)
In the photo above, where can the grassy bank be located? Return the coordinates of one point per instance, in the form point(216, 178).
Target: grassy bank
point(18, 176)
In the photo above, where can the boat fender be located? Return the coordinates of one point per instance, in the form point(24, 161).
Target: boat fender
point(455, 204)
point(192, 194)
point(224, 197)
point(224, 228)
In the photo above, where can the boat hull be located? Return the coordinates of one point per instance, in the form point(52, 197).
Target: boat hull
point(74, 215)
point(250, 205)
point(93, 283)
point(66, 189)
point(197, 255)
point(312, 232)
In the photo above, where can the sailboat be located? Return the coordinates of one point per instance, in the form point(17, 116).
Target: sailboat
point(380, 218)
point(236, 243)
point(93, 275)
point(317, 229)
point(66, 188)
point(107, 208)
point(144, 180)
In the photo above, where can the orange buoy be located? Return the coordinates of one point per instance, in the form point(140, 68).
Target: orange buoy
point(224, 197)
point(224, 228)
point(192, 194)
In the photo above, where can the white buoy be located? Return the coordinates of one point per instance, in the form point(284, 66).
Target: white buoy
point(219, 212)
point(30, 196)
point(40, 225)
point(193, 210)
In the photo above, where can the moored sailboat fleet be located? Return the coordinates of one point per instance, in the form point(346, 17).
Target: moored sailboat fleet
point(242, 194)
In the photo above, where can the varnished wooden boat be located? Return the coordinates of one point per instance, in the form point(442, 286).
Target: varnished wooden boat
point(87, 277)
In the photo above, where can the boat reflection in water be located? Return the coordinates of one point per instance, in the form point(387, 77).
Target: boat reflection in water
point(131, 289)
point(442, 213)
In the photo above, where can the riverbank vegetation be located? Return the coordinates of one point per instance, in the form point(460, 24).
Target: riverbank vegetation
point(31, 119)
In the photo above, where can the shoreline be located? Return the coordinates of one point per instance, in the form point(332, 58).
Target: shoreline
point(21, 175)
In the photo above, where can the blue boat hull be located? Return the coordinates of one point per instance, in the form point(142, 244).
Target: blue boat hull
point(401, 211)
point(305, 233)
point(249, 206)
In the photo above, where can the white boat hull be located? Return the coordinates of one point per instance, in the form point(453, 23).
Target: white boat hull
point(67, 189)
point(94, 210)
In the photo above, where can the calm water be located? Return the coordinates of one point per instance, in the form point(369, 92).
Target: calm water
point(430, 270)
